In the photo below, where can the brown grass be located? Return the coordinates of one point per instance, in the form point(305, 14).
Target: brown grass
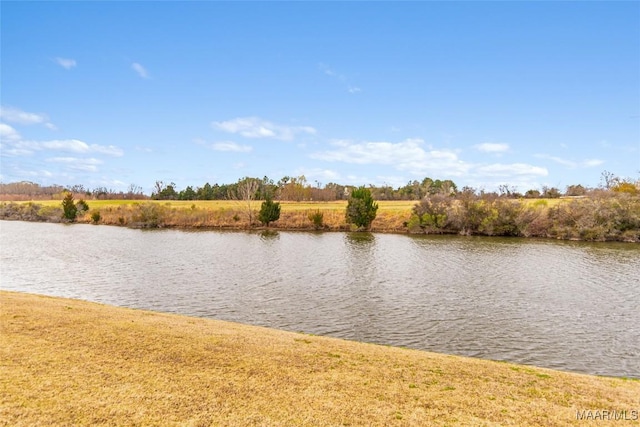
point(68, 362)
point(225, 214)
point(392, 216)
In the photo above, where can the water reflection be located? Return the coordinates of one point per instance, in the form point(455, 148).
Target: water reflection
point(269, 235)
point(358, 239)
point(562, 305)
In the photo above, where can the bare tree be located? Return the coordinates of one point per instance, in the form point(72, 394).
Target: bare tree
point(158, 187)
point(133, 191)
point(246, 192)
point(608, 180)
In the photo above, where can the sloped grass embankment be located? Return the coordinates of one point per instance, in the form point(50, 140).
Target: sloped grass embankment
point(69, 362)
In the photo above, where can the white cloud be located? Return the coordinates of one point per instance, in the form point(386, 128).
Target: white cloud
point(420, 160)
point(7, 133)
point(491, 147)
point(255, 127)
point(15, 115)
point(16, 151)
point(138, 68)
point(499, 169)
point(231, 146)
point(54, 152)
point(570, 163)
point(66, 62)
point(71, 163)
point(373, 152)
point(393, 181)
point(592, 162)
point(90, 161)
point(33, 173)
point(83, 167)
point(77, 146)
point(354, 180)
point(319, 174)
point(340, 77)
point(105, 181)
point(110, 150)
point(24, 147)
point(560, 161)
point(331, 73)
point(409, 155)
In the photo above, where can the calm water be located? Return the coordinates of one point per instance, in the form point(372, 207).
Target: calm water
point(569, 306)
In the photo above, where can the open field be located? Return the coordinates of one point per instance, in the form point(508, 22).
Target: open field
point(610, 217)
point(392, 206)
point(232, 214)
point(69, 362)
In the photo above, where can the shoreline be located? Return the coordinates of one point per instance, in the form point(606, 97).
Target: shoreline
point(69, 361)
point(262, 229)
point(606, 220)
point(343, 229)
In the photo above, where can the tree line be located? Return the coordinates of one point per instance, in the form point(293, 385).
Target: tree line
point(299, 189)
point(26, 190)
point(291, 188)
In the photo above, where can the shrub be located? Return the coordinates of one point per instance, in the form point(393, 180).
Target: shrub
point(432, 213)
point(414, 224)
point(532, 221)
point(49, 214)
point(361, 208)
point(149, 216)
point(575, 190)
point(70, 210)
point(95, 217)
point(626, 187)
point(469, 215)
point(317, 218)
point(82, 207)
point(532, 194)
point(269, 211)
point(502, 219)
point(550, 193)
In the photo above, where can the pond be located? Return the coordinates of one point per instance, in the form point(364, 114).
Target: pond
point(563, 305)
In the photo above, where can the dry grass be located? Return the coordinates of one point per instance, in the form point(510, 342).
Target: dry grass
point(394, 205)
point(231, 214)
point(68, 362)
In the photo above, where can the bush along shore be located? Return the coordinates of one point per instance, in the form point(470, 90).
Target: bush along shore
point(603, 216)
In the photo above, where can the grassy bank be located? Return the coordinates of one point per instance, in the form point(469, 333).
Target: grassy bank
point(604, 217)
point(68, 362)
point(214, 214)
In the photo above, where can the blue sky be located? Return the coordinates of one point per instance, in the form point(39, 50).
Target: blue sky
point(483, 93)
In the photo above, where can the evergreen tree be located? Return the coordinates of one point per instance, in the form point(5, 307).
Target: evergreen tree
point(361, 208)
point(269, 211)
point(70, 210)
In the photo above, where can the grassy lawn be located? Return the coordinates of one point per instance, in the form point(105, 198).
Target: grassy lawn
point(68, 362)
